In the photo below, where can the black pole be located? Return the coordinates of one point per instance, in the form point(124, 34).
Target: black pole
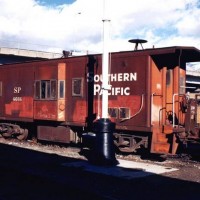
point(91, 115)
point(103, 151)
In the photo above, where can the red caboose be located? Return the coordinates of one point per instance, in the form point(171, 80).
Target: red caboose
point(62, 98)
point(45, 94)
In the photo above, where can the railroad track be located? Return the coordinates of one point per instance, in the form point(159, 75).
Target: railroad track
point(75, 152)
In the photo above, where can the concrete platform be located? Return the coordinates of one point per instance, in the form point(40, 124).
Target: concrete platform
point(125, 169)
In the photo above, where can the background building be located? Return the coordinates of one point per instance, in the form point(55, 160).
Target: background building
point(193, 81)
point(10, 55)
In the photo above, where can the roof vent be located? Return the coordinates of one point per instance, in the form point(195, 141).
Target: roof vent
point(137, 42)
point(66, 54)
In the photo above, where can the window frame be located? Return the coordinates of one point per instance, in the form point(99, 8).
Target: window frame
point(46, 88)
point(126, 112)
point(75, 94)
point(169, 77)
point(113, 112)
point(59, 89)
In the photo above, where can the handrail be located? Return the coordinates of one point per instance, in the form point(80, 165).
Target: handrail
point(173, 106)
point(173, 109)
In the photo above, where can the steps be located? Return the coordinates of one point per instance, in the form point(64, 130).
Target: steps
point(160, 139)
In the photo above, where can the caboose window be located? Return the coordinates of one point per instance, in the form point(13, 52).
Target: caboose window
point(37, 89)
point(124, 113)
point(46, 89)
point(61, 89)
point(168, 77)
point(77, 87)
point(182, 85)
point(53, 89)
point(113, 112)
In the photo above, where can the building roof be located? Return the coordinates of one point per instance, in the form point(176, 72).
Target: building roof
point(29, 53)
point(14, 55)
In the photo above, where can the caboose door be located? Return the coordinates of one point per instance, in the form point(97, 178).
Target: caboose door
point(175, 89)
point(49, 101)
point(171, 91)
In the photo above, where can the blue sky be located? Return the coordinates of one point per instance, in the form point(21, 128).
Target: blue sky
point(55, 2)
point(51, 25)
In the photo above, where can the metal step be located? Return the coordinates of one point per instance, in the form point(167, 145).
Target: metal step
point(167, 129)
point(160, 147)
point(161, 137)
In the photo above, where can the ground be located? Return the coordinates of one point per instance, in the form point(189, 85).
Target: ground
point(35, 171)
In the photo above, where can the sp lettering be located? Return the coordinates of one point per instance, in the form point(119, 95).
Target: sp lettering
point(17, 90)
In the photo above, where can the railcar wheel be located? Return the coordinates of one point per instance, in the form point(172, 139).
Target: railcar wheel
point(24, 135)
point(8, 133)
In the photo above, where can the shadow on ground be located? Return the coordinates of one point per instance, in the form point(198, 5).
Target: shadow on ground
point(28, 174)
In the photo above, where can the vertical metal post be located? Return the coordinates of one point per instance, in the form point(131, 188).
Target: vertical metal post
point(105, 67)
point(104, 153)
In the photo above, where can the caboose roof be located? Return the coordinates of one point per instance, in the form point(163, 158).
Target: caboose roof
point(172, 56)
point(165, 56)
point(190, 54)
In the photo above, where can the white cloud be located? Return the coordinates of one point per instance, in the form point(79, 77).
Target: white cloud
point(28, 24)
point(189, 25)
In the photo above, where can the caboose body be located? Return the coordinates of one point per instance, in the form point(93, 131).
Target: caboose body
point(62, 98)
